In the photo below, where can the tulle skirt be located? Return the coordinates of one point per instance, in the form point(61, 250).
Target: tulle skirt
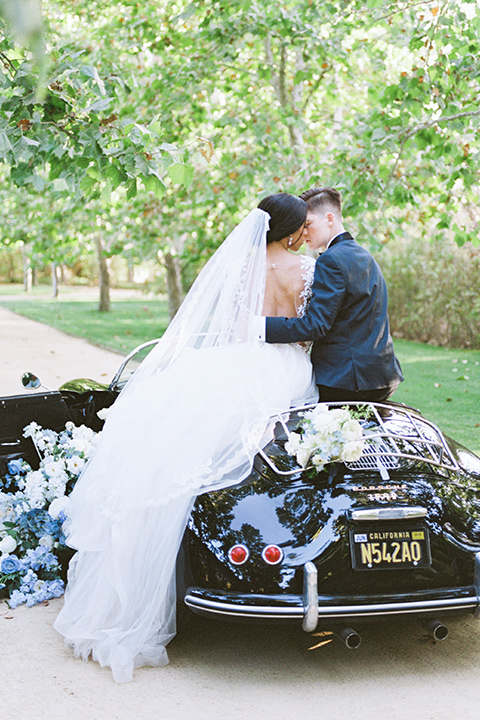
point(193, 427)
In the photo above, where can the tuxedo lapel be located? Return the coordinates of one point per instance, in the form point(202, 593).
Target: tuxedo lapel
point(343, 236)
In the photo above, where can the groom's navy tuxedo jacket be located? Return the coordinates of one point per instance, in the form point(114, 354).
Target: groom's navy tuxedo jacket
point(347, 320)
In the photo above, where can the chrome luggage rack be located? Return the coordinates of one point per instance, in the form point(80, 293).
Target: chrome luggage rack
point(391, 434)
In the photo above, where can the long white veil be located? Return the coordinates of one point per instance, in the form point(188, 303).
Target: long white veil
point(189, 420)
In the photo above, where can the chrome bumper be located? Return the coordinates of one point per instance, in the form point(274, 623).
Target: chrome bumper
point(477, 584)
point(309, 608)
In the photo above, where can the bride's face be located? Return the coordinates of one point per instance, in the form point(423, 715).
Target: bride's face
point(295, 240)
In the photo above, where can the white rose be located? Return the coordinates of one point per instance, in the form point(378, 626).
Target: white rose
point(352, 451)
point(339, 415)
point(303, 456)
point(57, 506)
point(46, 541)
point(53, 467)
point(8, 545)
point(352, 430)
point(75, 464)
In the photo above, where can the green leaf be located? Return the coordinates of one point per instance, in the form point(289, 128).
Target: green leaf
point(153, 184)
point(60, 185)
point(132, 189)
point(87, 183)
point(182, 174)
point(5, 145)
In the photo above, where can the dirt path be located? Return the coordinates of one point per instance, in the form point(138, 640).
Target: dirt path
point(221, 671)
point(54, 356)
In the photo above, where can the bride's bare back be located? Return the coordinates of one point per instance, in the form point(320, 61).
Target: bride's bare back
point(285, 284)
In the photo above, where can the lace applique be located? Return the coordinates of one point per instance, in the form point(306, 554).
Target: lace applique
point(308, 271)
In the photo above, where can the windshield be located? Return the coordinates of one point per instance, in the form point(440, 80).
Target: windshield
point(130, 364)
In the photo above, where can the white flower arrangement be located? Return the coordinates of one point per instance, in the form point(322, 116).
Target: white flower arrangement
point(32, 513)
point(326, 435)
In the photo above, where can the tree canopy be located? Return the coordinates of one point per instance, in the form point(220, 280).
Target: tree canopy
point(183, 114)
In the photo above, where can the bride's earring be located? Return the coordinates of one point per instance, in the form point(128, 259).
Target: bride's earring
point(290, 241)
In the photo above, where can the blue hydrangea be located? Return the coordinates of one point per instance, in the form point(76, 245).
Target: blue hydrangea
point(33, 591)
point(40, 558)
point(16, 598)
point(38, 522)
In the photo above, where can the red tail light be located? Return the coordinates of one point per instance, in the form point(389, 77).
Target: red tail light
point(238, 554)
point(272, 554)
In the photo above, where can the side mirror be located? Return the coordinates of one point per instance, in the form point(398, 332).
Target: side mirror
point(30, 381)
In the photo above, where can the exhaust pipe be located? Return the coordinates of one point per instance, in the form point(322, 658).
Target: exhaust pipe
point(349, 637)
point(437, 629)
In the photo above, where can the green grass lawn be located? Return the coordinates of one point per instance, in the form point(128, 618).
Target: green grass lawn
point(444, 384)
point(129, 323)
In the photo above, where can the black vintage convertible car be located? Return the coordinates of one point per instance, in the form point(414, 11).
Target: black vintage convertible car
point(395, 531)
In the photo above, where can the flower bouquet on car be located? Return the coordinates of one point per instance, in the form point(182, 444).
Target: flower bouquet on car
point(33, 553)
point(326, 435)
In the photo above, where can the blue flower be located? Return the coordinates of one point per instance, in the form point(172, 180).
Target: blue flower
point(40, 557)
point(39, 523)
point(15, 467)
point(16, 598)
point(56, 587)
point(10, 564)
point(28, 581)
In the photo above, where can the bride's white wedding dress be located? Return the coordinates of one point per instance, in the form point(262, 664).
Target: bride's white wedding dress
point(191, 419)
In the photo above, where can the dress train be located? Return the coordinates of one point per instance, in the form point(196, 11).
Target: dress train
point(193, 427)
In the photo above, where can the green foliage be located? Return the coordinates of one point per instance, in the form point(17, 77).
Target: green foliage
point(434, 292)
point(173, 119)
point(74, 135)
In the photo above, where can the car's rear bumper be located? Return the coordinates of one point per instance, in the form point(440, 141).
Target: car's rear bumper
point(311, 607)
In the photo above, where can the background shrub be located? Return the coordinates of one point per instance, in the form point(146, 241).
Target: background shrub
point(434, 292)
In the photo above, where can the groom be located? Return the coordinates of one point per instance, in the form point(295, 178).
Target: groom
point(352, 353)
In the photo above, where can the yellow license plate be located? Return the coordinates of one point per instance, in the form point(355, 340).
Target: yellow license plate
point(388, 548)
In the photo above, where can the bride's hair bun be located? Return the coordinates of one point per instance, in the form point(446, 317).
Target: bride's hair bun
point(287, 214)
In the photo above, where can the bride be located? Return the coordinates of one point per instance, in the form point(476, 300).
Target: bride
point(190, 420)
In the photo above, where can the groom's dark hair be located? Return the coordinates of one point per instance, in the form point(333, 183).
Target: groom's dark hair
point(287, 214)
point(319, 198)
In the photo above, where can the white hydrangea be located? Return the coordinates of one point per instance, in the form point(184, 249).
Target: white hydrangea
point(35, 488)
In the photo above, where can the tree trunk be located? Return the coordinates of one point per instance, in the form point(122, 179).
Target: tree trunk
point(103, 277)
point(54, 280)
point(174, 283)
point(289, 99)
point(27, 270)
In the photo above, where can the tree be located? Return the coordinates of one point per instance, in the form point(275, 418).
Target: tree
point(183, 114)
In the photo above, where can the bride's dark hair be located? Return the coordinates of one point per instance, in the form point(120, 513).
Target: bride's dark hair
point(287, 214)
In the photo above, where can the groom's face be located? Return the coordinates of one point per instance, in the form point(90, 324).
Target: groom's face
point(318, 230)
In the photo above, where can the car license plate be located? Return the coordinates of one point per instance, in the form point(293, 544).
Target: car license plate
point(389, 548)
